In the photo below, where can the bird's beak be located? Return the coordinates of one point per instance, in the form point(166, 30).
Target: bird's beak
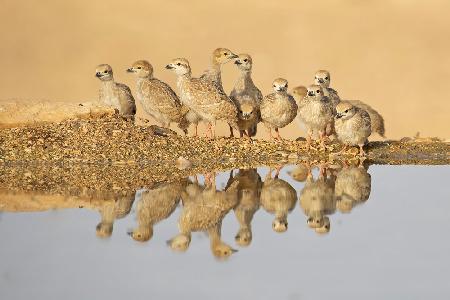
point(320, 80)
point(98, 75)
point(338, 116)
point(130, 70)
point(169, 67)
point(238, 62)
point(130, 232)
point(234, 250)
point(311, 94)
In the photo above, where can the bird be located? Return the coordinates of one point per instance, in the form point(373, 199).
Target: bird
point(203, 97)
point(249, 192)
point(114, 94)
point(317, 200)
point(352, 126)
point(203, 210)
point(316, 112)
point(246, 96)
point(157, 98)
point(278, 109)
point(323, 78)
point(299, 93)
point(220, 56)
point(352, 187)
point(376, 119)
point(278, 197)
point(155, 204)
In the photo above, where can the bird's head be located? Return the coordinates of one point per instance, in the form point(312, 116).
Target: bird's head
point(222, 250)
point(325, 228)
point(244, 237)
point(280, 225)
point(223, 55)
point(345, 110)
point(141, 234)
point(280, 85)
point(180, 66)
point(104, 72)
point(104, 230)
point(299, 92)
point(180, 243)
point(141, 68)
point(244, 62)
point(315, 91)
point(322, 78)
point(246, 110)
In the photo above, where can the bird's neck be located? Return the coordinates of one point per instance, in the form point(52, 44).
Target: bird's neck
point(107, 212)
point(108, 83)
point(244, 81)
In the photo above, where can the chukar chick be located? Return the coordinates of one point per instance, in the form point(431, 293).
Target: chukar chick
point(316, 113)
point(220, 56)
point(203, 96)
point(249, 191)
point(299, 93)
point(157, 98)
point(114, 94)
point(155, 205)
point(352, 187)
point(246, 96)
point(204, 211)
point(376, 120)
point(278, 109)
point(322, 78)
point(352, 126)
point(317, 200)
point(278, 197)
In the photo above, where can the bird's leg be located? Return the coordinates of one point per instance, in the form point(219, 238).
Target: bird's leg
point(309, 140)
point(213, 130)
point(277, 171)
point(270, 133)
point(322, 136)
point(241, 133)
point(361, 150)
point(277, 136)
point(344, 148)
point(196, 130)
point(231, 131)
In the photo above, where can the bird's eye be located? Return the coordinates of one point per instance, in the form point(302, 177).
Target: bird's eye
point(245, 60)
point(139, 68)
point(326, 78)
point(346, 110)
point(225, 53)
point(240, 111)
point(105, 71)
point(274, 85)
point(318, 91)
point(178, 64)
point(285, 85)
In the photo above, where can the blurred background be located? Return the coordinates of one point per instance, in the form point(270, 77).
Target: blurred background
point(394, 55)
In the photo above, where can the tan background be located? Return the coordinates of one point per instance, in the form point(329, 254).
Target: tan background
point(395, 55)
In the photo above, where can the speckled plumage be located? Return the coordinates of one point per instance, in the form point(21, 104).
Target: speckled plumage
point(157, 98)
point(323, 79)
point(246, 96)
point(155, 205)
point(278, 197)
point(114, 94)
point(278, 109)
point(376, 120)
point(316, 110)
point(352, 124)
point(202, 96)
point(353, 185)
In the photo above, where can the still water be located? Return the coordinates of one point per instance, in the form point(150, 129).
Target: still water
point(378, 232)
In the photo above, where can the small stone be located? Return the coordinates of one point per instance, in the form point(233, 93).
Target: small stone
point(183, 164)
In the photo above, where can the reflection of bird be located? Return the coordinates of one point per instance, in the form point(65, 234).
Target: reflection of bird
point(249, 191)
point(112, 210)
point(316, 112)
point(278, 197)
point(278, 109)
point(352, 125)
point(157, 98)
point(114, 94)
point(353, 185)
point(317, 200)
point(220, 56)
point(204, 209)
point(246, 96)
point(300, 172)
point(323, 78)
point(203, 96)
point(155, 205)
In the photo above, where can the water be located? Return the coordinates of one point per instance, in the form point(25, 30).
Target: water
point(393, 245)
